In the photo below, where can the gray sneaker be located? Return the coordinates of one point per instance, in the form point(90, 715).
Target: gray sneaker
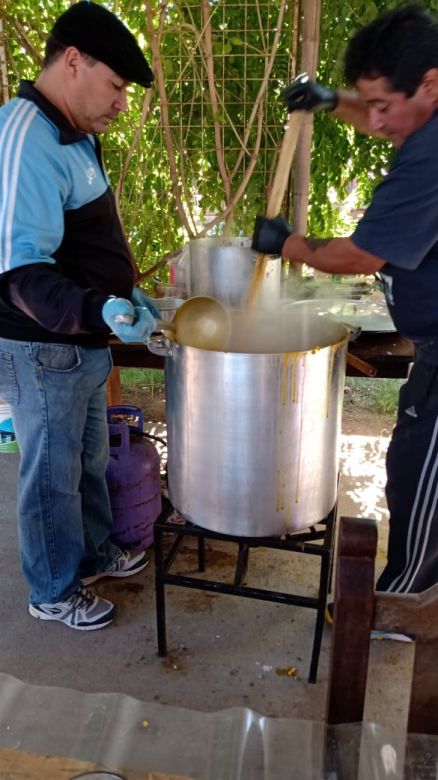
point(83, 610)
point(124, 564)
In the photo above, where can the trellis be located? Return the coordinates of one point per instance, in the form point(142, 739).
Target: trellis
point(201, 154)
point(219, 69)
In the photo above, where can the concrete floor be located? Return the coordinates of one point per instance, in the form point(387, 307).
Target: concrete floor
point(223, 651)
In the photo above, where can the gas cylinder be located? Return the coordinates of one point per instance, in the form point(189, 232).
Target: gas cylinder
point(133, 478)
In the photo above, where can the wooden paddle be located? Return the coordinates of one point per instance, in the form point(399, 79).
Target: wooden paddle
point(281, 178)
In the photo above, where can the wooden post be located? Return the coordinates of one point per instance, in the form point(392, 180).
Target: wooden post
point(114, 388)
point(311, 10)
point(353, 618)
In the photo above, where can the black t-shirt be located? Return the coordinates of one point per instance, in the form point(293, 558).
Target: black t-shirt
point(401, 227)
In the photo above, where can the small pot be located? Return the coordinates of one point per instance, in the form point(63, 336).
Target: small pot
point(223, 267)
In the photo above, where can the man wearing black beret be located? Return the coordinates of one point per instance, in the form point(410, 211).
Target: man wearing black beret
point(66, 282)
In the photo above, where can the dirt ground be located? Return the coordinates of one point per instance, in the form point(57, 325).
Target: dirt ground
point(359, 421)
point(153, 402)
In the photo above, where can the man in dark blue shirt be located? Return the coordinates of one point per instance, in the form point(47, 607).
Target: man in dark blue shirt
point(393, 63)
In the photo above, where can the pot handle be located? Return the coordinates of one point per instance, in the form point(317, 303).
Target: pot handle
point(361, 365)
point(354, 332)
point(160, 345)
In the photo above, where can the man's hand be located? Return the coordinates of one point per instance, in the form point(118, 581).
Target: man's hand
point(270, 234)
point(306, 95)
point(128, 323)
point(139, 298)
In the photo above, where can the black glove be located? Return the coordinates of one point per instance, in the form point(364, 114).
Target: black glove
point(306, 95)
point(270, 234)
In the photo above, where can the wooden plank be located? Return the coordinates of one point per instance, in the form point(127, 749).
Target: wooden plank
point(17, 765)
point(416, 613)
point(354, 607)
point(408, 613)
point(423, 707)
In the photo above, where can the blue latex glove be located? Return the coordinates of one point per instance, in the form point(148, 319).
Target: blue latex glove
point(128, 323)
point(270, 234)
point(306, 95)
point(139, 298)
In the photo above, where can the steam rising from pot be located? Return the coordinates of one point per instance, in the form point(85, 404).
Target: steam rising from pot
point(287, 330)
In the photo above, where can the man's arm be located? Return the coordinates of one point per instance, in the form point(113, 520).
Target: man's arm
point(306, 95)
point(352, 110)
point(332, 255)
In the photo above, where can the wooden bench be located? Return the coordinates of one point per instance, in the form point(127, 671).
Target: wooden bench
point(358, 610)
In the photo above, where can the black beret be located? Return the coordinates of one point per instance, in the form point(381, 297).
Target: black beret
point(94, 30)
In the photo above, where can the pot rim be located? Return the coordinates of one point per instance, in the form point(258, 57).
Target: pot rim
point(175, 345)
point(242, 241)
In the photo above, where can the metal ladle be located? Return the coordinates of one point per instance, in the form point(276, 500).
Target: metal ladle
point(200, 322)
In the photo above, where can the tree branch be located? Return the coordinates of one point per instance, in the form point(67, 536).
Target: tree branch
point(3, 66)
point(157, 67)
point(27, 43)
point(244, 182)
point(209, 62)
point(135, 141)
point(264, 84)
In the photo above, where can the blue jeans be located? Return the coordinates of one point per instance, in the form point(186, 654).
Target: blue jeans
point(57, 393)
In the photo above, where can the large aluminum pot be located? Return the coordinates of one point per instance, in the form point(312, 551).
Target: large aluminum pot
point(253, 438)
point(223, 268)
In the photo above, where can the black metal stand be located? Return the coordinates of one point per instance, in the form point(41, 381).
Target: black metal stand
point(300, 542)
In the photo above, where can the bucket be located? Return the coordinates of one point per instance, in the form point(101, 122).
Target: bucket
point(8, 441)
